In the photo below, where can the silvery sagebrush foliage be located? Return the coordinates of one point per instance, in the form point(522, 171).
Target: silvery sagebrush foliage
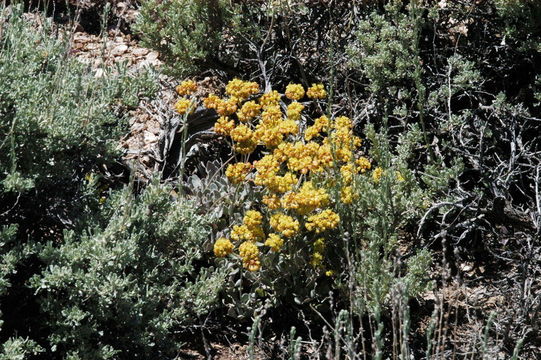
point(129, 288)
point(58, 121)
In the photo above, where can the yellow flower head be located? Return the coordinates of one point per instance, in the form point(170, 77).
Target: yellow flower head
point(377, 174)
point(281, 184)
point(224, 126)
point(321, 124)
point(223, 247)
point(226, 107)
point(248, 111)
point(253, 219)
point(363, 164)
point(272, 201)
point(325, 220)
point(241, 133)
point(236, 173)
point(346, 195)
point(186, 88)
point(271, 116)
point(316, 91)
point(347, 171)
point(306, 200)
point(182, 106)
point(343, 123)
point(245, 233)
point(284, 224)
point(270, 99)
point(288, 127)
point(241, 89)
point(211, 101)
point(267, 167)
point(269, 136)
point(294, 110)
point(249, 253)
point(294, 91)
point(275, 242)
point(245, 147)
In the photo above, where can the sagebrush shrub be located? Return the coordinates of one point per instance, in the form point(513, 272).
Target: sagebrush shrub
point(126, 290)
point(58, 123)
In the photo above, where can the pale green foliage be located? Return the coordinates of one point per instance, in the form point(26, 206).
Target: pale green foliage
point(384, 52)
point(124, 290)
point(55, 115)
point(19, 349)
point(186, 33)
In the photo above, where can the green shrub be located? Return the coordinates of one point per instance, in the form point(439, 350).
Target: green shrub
point(58, 122)
point(128, 289)
point(186, 33)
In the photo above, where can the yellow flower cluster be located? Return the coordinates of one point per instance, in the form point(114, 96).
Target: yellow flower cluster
point(243, 137)
point(275, 242)
point(224, 126)
point(211, 101)
point(294, 111)
point(306, 157)
point(243, 232)
point(306, 200)
point(347, 171)
point(226, 107)
point(377, 174)
point(241, 89)
point(270, 99)
point(249, 253)
point(325, 220)
point(187, 87)
point(294, 91)
point(223, 247)
point(284, 224)
point(236, 173)
point(363, 164)
point(253, 219)
point(182, 106)
point(316, 91)
point(248, 111)
point(320, 124)
point(293, 169)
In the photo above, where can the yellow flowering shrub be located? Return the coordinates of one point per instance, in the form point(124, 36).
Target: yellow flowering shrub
point(303, 171)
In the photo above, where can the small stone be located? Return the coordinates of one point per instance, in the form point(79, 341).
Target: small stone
point(150, 137)
point(140, 51)
point(119, 50)
point(153, 55)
